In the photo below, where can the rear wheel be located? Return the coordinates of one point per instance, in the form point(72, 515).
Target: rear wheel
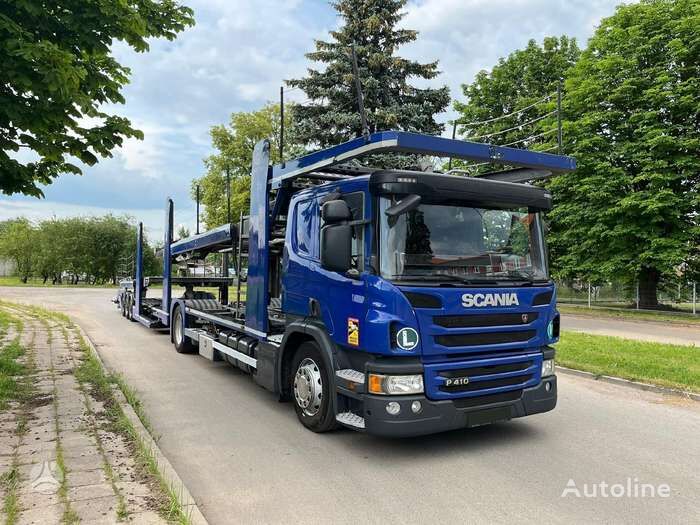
point(311, 384)
point(183, 345)
point(129, 308)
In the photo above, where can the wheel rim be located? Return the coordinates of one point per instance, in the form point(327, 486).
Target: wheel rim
point(178, 328)
point(308, 387)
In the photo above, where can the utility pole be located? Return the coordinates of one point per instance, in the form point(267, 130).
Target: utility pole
point(281, 126)
point(559, 130)
point(197, 228)
point(454, 134)
point(358, 88)
point(228, 196)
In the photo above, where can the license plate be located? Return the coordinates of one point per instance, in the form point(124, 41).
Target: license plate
point(491, 415)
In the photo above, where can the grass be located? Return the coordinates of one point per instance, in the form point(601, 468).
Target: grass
point(10, 388)
point(667, 365)
point(631, 315)
point(39, 283)
point(9, 481)
point(91, 372)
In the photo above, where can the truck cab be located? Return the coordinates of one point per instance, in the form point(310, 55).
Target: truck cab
point(434, 291)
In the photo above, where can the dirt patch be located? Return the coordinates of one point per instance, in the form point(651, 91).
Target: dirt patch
point(39, 400)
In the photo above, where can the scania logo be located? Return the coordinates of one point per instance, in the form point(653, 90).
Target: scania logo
point(481, 300)
point(456, 381)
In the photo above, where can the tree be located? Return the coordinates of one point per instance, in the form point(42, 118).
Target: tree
point(234, 145)
point(18, 242)
point(58, 74)
point(633, 122)
point(527, 78)
point(391, 102)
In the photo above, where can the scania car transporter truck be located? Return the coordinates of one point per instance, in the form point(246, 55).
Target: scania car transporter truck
point(392, 302)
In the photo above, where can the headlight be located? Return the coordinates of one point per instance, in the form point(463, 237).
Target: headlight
point(395, 385)
point(547, 367)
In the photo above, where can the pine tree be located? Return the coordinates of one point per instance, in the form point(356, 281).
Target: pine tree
point(391, 102)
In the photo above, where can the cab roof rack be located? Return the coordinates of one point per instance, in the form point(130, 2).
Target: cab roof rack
point(415, 143)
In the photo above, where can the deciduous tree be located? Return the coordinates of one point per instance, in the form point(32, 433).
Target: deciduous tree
point(59, 74)
point(633, 123)
point(234, 144)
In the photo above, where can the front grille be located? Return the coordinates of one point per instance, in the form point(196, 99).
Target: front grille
point(490, 383)
point(486, 338)
point(483, 378)
point(422, 300)
point(475, 320)
point(542, 299)
point(486, 370)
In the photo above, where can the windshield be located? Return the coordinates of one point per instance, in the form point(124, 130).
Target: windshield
point(461, 243)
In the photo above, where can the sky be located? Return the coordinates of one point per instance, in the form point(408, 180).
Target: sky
point(236, 57)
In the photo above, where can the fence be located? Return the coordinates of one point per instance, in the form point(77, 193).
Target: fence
point(680, 297)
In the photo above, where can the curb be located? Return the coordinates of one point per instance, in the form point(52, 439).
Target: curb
point(169, 474)
point(629, 383)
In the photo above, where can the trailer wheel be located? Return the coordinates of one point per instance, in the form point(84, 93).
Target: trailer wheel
point(130, 308)
point(310, 382)
point(183, 345)
point(122, 305)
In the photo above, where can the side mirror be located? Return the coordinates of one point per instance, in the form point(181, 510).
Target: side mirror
point(336, 247)
point(408, 203)
point(335, 211)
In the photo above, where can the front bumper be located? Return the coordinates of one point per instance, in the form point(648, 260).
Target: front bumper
point(440, 416)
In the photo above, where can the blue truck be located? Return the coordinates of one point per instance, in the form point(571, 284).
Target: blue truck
point(392, 302)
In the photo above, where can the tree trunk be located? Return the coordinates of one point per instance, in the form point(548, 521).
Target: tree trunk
point(648, 285)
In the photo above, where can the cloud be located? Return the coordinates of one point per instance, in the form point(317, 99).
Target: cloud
point(467, 36)
point(238, 55)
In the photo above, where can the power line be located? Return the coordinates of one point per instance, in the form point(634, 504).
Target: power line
point(494, 119)
point(531, 137)
point(519, 126)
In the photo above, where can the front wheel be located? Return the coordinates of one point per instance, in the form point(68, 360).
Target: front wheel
point(311, 385)
point(183, 345)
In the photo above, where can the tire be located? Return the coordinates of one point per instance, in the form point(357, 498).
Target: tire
point(122, 306)
point(130, 309)
point(310, 386)
point(182, 344)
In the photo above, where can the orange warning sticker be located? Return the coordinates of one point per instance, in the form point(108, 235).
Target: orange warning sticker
point(353, 331)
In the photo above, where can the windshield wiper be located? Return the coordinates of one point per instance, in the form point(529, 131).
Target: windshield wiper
point(444, 277)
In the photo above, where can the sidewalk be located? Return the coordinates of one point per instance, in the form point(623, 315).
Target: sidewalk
point(632, 329)
point(62, 459)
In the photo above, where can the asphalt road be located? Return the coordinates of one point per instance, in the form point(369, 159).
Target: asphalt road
point(246, 459)
point(641, 330)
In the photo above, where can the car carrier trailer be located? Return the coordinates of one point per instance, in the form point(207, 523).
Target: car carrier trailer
point(388, 301)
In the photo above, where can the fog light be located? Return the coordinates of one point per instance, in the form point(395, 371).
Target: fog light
point(393, 408)
point(416, 407)
point(548, 367)
point(548, 386)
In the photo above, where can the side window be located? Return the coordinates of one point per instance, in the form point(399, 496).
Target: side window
point(307, 231)
point(356, 203)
